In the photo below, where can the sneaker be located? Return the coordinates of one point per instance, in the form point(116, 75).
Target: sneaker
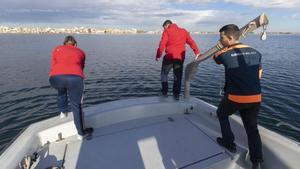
point(80, 137)
point(229, 146)
point(63, 115)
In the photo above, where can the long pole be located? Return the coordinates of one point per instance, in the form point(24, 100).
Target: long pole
point(191, 69)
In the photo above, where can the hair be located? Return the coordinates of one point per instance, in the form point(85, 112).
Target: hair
point(231, 30)
point(167, 22)
point(70, 39)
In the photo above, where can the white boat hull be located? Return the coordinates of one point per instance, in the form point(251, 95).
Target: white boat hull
point(150, 132)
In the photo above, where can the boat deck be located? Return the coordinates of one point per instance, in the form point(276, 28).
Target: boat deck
point(144, 133)
point(163, 142)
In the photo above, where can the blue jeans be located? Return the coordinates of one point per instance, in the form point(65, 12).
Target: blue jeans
point(72, 86)
point(248, 112)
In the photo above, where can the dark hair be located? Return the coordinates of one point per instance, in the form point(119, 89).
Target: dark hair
point(231, 30)
point(167, 22)
point(70, 39)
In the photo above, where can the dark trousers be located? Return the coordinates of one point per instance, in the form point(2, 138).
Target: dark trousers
point(177, 66)
point(248, 112)
point(72, 86)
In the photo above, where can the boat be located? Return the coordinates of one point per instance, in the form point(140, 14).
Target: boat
point(146, 133)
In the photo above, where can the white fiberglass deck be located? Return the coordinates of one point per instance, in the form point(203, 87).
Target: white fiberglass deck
point(164, 142)
point(146, 133)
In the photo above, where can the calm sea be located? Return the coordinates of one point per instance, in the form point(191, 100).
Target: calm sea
point(123, 66)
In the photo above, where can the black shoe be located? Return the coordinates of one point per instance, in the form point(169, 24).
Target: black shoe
point(256, 165)
point(88, 131)
point(164, 94)
point(229, 146)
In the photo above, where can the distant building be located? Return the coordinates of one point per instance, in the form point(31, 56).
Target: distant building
point(83, 30)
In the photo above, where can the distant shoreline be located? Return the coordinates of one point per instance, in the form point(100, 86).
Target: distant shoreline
point(112, 34)
point(106, 31)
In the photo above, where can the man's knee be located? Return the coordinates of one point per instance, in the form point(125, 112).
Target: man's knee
point(252, 130)
point(164, 77)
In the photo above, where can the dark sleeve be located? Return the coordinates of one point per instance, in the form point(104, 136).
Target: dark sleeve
point(260, 57)
point(218, 59)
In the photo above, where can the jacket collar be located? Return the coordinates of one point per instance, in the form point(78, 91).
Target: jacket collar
point(233, 45)
point(173, 25)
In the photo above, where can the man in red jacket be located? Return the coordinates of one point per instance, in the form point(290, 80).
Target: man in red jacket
point(173, 41)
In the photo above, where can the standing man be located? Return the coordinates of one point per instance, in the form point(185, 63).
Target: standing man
point(173, 40)
point(242, 91)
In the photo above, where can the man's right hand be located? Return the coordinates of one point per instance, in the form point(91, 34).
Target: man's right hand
point(197, 56)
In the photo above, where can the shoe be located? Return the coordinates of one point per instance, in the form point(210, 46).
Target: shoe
point(80, 137)
point(163, 94)
point(63, 115)
point(229, 146)
point(256, 165)
point(88, 131)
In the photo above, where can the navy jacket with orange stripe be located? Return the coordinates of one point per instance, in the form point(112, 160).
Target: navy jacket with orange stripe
point(242, 73)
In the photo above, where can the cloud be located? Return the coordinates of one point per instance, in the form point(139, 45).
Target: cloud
point(104, 13)
point(127, 14)
point(45, 15)
point(296, 16)
point(41, 4)
point(192, 1)
point(268, 3)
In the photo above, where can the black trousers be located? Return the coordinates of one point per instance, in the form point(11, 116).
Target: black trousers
point(177, 66)
point(248, 112)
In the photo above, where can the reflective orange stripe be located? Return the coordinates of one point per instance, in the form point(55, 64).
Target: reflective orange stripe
point(240, 46)
point(245, 99)
point(229, 48)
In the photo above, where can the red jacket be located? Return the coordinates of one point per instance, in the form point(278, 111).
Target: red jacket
point(173, 40)
point(67, 60)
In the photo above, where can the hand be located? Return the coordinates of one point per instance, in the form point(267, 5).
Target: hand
point(197, 56)
point(156, 59)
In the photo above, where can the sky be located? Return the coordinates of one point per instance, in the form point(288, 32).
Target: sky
point(194, 15)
